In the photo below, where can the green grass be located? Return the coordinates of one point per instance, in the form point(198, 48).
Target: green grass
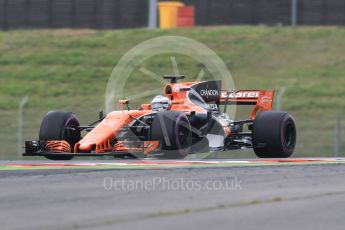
point(65, 69)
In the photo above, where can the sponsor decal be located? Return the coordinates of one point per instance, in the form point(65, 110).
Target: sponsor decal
point(213, 107)
point(209, 92)
point(241, 94)
point(146, 117)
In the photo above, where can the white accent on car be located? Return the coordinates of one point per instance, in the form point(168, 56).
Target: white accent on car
point(215, 141)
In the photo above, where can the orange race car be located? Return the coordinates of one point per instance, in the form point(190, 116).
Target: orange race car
point(191, 118)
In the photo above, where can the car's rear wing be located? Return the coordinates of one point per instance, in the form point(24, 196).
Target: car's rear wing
point(211, 92)
point(262, 99)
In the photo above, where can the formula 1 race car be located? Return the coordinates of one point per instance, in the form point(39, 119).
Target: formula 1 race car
point(192, 122)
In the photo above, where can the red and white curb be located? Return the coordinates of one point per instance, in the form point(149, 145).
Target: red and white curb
point(170, 163)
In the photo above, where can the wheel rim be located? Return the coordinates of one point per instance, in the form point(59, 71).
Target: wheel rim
point(289, 136)
point(71, 122)
point(182, 139)
point(182, 133)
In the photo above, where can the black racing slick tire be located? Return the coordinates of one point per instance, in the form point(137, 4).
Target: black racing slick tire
point(53, 127)
point(173, 130)
point(274, 135)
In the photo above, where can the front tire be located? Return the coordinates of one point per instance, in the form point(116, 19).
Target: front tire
point(274, 135)
point(173, 130)
point(53, 127)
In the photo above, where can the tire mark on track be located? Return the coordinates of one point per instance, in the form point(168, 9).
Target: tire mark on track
point(110, 221)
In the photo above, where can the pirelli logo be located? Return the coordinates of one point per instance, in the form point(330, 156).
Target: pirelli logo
point(241, 94)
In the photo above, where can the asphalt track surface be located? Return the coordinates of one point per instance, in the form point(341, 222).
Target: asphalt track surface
point(290, 195)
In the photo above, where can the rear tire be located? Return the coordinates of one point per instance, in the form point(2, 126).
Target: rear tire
point(53, 128)
point(173, 130)
point(274, 135)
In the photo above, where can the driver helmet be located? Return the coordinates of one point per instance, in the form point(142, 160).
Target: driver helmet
point(160, 103)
